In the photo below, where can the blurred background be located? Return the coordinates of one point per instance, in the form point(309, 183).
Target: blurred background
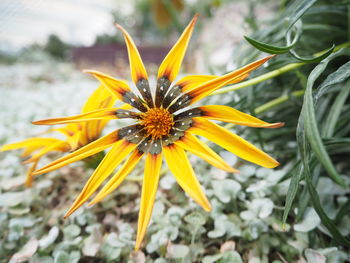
point(260, 215)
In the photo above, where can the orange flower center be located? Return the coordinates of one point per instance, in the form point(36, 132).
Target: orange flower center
point(157, 122)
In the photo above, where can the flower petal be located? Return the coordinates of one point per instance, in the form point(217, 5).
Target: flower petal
point(138, 71)
point(74, 141)
point(171, 64)
point(61, 146)
point(149, 189)
point(34, 143)
point(119, 177)
point(101, 98)
point(112, 159)
point(202, 90)
point(208, 87)
point(195, 146)
point(228, 114)
point(231, 142)
point(119, 88)
point(190, 82)
point(86, 151)
point(101, 114)
point(29, 175)
point(180, 166)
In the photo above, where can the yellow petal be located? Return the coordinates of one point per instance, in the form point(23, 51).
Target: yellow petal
point(190, 82)
point(74, 141)
point(119, 88)
point(195, 146)
point(149, 189)
point(29, 176)
point(115, 86)
point(61, 146)
point(86, 151)
point(112, 159)
point(100, 98)
point(35, 143)
point(208, 87)
point(138, 71)
point(231, 142)
point(171, 64)
point(181, 168)
point(101, 114)
point(228, 114)
point(119, 177)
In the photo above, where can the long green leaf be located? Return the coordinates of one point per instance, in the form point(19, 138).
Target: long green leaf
point(271, 49)
point(335, 111)
point(304, 152)
point(311, 129)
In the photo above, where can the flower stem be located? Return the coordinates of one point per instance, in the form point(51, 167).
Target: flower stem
point(271, 74)
point(275, 102)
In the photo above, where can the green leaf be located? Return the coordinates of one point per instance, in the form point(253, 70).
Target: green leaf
point(195, 218)
point(305, 152)
point(293, 23)
point(61, 257)
point(299, 11)
point(292, 191)
point(268, 48)
point(315, 59)
point(310, 122)
point(335, 111)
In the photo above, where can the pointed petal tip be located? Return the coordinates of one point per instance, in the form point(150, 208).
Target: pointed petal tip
point(118, 26)
point(36, 122)
point(235, 171)
point(195, 18)
point(91, 203)
point(273, 164)
point(207, 207)
point(88, 71)
point(28, 161)
point(70, 211)
point(273, 125)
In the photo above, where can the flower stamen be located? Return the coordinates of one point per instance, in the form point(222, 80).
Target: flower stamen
point(157, 122)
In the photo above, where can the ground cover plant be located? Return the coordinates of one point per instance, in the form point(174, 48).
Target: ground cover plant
point(298, 212)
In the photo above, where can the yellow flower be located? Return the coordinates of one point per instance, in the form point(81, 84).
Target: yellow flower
point(77, 134)
point(160, 130)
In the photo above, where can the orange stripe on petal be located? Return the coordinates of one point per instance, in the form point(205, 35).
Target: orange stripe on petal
point(195, 146)
point(181, 168)
point(149, 189)
point(208, 87)
point(231, 142)
point(83, 152)
point(112, 159)
point(231, 115)
point(119, 177)
point(101, 114)
point(137, 68)
point(171, 64)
